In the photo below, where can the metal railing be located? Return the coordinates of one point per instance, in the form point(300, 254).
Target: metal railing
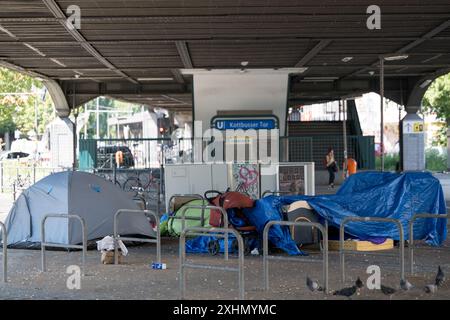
point(195, 231)
point(314, 148)
point(371, 219)
point(267, 257)
point(271, 192)
point(45, 244)
point(185, 196)
point(202, 219)
point(15, 177)
point(117, 237)
point(411, 233)
point(5, 251)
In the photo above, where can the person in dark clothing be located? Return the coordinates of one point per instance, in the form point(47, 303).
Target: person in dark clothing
point(331, 167)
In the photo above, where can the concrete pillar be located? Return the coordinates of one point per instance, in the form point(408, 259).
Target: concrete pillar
point(412, 142)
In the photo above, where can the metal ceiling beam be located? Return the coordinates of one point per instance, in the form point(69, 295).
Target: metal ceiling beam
point(177, 75)
point(23, 70)
point(427, 36)
point(59, 14)
point(312, 53)
point(183, 51)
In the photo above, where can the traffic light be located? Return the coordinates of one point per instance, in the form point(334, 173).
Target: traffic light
point(163, 127)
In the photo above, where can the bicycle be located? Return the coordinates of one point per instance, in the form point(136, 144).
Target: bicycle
point(108, 177)
point(23, 183)
point(144, 180)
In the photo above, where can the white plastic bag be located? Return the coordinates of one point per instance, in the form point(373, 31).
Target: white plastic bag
point(107, 244)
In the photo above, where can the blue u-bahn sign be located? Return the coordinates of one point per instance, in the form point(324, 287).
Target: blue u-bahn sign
point(244, 124)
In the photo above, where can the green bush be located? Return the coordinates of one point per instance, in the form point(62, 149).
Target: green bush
point(434, 161)
point(390, 161)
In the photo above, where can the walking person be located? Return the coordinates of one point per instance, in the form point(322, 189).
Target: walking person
point(331, 167)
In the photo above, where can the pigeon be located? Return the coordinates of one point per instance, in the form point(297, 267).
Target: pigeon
point(346, 292)
point(358, 283)
point(430, 288)
point(440, 277)
point(405, 285)
point(313, 285)
point(387, 290)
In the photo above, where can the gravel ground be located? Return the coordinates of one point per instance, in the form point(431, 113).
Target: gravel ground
point(136, 280)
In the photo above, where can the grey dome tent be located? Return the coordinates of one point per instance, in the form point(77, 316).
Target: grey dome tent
point(72, 192)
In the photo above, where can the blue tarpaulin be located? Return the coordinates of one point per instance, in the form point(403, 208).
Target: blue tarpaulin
point(365, 194)
point(376, 194)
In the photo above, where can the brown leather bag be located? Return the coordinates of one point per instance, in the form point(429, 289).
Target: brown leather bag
point(228, 200)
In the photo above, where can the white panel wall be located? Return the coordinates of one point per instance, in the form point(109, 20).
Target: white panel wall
point(216, 90)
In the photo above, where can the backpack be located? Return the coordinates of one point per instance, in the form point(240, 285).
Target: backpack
point(228, 200)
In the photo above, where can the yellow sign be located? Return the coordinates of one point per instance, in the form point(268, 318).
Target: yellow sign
point(418, 127)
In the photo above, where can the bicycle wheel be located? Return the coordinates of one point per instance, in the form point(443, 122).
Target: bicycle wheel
point(145, 178)
point(132, 184)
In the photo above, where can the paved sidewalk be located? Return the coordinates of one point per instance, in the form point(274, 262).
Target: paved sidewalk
point(6, 202)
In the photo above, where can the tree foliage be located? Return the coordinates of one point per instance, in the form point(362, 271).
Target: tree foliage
point(19, 97)
point(437, 100)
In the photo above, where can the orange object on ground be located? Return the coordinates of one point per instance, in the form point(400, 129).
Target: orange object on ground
point(352, 166)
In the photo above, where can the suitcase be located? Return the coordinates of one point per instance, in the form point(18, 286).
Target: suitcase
point(301, 211)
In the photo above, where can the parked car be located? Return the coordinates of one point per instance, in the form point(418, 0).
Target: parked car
point(106, 153)
point(14, 155)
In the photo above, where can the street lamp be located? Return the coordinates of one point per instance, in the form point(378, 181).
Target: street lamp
point(385, 57)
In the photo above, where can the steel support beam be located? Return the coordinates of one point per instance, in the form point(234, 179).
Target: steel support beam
point(59, 14)
point(427, 36)
point(183, 51)
point(312, 53)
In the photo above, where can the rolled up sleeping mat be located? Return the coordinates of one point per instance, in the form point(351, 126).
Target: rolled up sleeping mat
point(301, 211)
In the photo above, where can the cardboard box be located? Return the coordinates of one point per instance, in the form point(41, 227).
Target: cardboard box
point(356, 245)
point(108, 257)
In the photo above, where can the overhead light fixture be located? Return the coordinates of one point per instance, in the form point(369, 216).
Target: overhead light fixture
point(396, 57)
point(34, 49)
point(58, 62)
point(294, 70)
point(347, 59)
point(426, 83)
point(371, 73)
point(155, 79)
point(244, 63)
point(319, 79)
point(77, 76)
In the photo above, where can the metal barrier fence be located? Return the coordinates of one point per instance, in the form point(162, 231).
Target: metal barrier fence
point(185, 196)
point(274, 193)
point(137, 152)
point(371, 219)
point(314, 149)
point(44, 244)
point(15, 177)
point(117, 237)
point(195, 231)
point(267, 257)
point(5, 251)
point(411, 233)
point(153, 152)
point(202, 219)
